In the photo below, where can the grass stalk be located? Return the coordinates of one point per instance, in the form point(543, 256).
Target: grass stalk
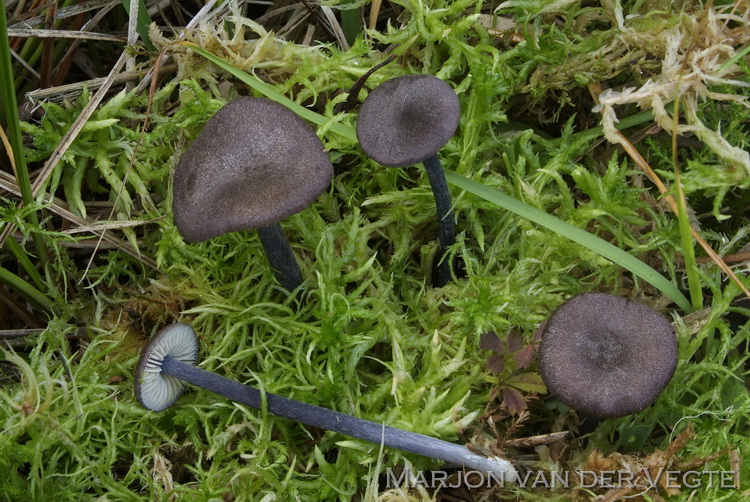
point(578, 235)
point(10, 112)
point(25, 262)
point(271, 93)
point(143, 22)
point(350, 24)
point(575, 234)
point(736, 58)
point(25, 289)
point(622, 124)
point(686, 237)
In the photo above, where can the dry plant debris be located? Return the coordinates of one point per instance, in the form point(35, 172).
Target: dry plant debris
point(699, 52)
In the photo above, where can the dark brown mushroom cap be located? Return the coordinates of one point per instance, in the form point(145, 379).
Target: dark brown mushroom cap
point(607, 356)
point(407, 119)
point(254, 164)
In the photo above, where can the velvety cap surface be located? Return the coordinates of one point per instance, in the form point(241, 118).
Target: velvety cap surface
point(154, 390)
point(607, 356)
point(254, 164)
point(407, 119)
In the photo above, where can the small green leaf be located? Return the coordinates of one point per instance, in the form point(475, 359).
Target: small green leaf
point(528, 382)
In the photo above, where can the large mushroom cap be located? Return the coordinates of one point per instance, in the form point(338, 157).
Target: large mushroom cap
point(407, 119)
point(254, 164)
point(607, 356)
point(154, 390)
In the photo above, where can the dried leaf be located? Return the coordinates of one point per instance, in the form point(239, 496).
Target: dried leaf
point(649, 473)
point(597, 462)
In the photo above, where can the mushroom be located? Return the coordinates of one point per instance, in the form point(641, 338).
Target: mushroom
point(607, 356)
point(404, 121)
point(168, 361)
point(254, 164)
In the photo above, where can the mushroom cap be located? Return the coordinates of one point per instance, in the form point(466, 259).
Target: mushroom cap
point(154, 390)
point(407, 119)
point(607, 356)
point(255, 163)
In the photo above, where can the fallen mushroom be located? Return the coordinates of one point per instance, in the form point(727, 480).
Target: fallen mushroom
point(404, 121)
point(254, 164)
point(168, 361)
point(607, 356)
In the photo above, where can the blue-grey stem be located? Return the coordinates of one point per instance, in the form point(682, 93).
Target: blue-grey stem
point(447, 235)
point(339, 422)
point(280, 256)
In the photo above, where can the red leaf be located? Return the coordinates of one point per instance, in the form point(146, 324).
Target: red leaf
point(515, 341)
point(490, 341)
point(496, 363)
point(523, 357)
point(513, 401)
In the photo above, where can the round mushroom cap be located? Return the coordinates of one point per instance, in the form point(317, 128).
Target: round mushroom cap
point(255, 163)
point(154, 390)
point(607, 356)
point(407, 119)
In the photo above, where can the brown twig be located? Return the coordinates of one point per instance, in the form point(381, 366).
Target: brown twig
point(730, 258)
point(351, 99)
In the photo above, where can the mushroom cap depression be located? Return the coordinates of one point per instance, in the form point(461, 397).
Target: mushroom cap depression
point(407, 119)
point(607, 356)
point(154, 390)
point(254, 164)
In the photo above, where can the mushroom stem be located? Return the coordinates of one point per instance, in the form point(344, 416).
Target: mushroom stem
point(339, 422)
point(280, 256)
point(447, 233)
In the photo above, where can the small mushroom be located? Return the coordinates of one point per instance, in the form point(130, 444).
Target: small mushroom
point(254, 164)
point(404, 121)
point(607, 356)
point(168, 361)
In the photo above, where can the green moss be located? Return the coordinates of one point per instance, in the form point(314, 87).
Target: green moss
point(367, 335)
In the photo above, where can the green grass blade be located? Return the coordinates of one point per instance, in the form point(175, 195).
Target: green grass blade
point(10, 112)
point(24, 288)
point(737, 57)
point(350, 22)
point(271, 93)
point(575, 234)
point(23, 259)
point(622, 124)
point(143, 22)
point(686, 235)
point(688, 252)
